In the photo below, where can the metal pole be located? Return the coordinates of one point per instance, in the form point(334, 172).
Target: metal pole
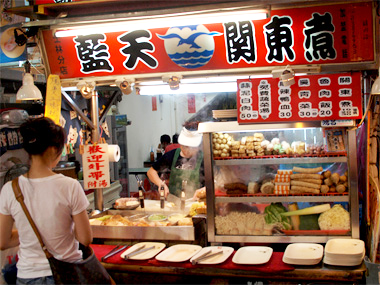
point(98, 193)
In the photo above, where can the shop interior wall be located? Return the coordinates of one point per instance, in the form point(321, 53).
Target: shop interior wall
point(147, 126)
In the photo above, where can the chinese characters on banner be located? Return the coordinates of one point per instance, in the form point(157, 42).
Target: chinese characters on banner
point(191, 103)
point(96, 173)
point(332, 34)
point(10, 139)
point(311, 98)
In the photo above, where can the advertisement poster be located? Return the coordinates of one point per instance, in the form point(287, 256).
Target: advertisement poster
point(9, 50)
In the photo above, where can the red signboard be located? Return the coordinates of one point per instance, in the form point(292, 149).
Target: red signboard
point(311, 98)
point(332, 34)
point(95, 161)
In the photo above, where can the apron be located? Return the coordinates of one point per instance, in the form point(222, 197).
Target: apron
point(177, 175)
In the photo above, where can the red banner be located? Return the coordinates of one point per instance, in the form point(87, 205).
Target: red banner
point(311, 98)
point(332, 34)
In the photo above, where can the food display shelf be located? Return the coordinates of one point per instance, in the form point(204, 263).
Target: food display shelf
point(280, 160)
point(257, 168)
point(288, 198)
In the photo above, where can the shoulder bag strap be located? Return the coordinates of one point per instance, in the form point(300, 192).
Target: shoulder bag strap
point(20, 199)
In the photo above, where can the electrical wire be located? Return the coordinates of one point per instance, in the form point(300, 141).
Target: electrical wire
point(365, 113)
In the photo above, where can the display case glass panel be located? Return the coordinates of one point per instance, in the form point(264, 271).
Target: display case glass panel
point(260, 174)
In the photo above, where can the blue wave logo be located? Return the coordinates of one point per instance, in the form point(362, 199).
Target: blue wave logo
point(189, 46)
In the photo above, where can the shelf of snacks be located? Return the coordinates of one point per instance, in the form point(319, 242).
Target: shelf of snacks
point(282, 159)
point(259, 176)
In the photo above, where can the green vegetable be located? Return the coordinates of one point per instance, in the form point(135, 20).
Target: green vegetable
point(286, 225)
point(308, 211)
point(274, 215)
point(156, 217)
point(309, 222)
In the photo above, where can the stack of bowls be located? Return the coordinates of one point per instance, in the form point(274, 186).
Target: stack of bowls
point(344, 252)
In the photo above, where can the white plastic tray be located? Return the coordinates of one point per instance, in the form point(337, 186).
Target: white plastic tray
point(303, 253)
point(344, 262)
point(227, 251)
point(179, 253)
point(252, 255)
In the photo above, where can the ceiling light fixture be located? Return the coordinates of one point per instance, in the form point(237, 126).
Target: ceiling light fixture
point(28, 90)
point(173, 81)
point(299, 70)
point(125, 85)
point(287, 77)
point(160, 21)
point(86, 88)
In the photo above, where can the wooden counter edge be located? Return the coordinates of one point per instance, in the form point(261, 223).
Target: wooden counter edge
point(324, 274)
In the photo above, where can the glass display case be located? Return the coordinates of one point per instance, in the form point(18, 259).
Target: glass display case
point(259, 176)
point(118, 135)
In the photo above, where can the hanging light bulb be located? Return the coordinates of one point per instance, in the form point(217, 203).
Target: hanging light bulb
point(28, 90)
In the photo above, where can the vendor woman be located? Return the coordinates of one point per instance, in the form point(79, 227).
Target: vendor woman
point(183, 164)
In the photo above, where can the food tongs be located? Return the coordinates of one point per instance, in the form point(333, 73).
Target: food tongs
point(205, 255)
point(114, 251)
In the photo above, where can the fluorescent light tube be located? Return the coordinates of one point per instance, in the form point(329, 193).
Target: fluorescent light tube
point(164, 89)
point(161, 22)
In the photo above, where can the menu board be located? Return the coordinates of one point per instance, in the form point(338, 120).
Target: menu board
point(311, 98)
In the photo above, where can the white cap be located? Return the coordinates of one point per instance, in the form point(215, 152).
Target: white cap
point(189, 138)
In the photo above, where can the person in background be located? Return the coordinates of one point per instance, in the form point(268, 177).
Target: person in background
point(173, 145)
point(165, 141)
point(57, 204)
point(183, 163)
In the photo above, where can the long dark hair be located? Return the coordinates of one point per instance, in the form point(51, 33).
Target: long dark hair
point(41, 133)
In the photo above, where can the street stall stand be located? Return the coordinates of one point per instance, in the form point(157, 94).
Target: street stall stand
point(332, 43)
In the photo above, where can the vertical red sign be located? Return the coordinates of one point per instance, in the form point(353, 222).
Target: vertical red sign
point(191, 103)
point(96, 172)
point(154, 103)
